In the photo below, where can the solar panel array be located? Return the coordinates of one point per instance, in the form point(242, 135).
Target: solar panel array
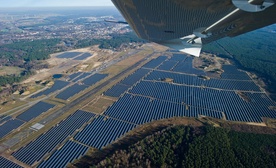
point(168, 65)
point(82, 76)
point(45, 143)
point(102, 131)
point(74, 75)
point(69, 55)
point(66, 154)
point(178, 57)
point(71, 91)
point(231, 72)
point(35, 111)
point(5, 163)
point(126, 83)
point(135, 77)
point(9, 126)
point(94, 79)
point(224, 101)
point(155, 62)
point(154, 96)
point(196, 81)
point(151, 97)
point(4, 119)
point(57, 86)
point(117, 90)
point(186, 66)
point(83, 56)
point(140, 109)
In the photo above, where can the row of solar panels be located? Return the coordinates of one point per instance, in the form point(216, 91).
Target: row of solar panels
point(8, 124)
point(140, 110)
point(74, 89)
point(228, 102)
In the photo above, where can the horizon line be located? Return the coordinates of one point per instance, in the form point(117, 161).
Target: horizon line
point(50, 6)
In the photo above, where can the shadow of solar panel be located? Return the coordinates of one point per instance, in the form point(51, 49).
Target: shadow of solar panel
point(103, 131)
point(35, 111)
point(71, 91)
point(66, 154)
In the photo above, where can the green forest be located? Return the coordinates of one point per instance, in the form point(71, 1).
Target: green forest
point(27, 51)
point(26, 54)
point(185, 146)
point(254, 51)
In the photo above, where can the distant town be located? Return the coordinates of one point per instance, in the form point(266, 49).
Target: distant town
point(36, 26)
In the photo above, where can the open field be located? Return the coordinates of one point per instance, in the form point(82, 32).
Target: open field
point(8, 70)
point(99, 105)
point(11, 104)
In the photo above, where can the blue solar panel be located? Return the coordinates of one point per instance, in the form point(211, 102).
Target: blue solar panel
point(224, 101)
point(83, 56)
point(80, 77)
point(71, 91)
point(4, 119)
point(186, 66)
point(57, 86)
point(66, 154)
point(69, 55)
point(116, 90)
point(45, 143)
point(155, 62)
point(178, 57)
point(5, 163)
point(103, 131)
point(9, 126)
point(194, 80)
point(94, 79)
point(135, 77)
point(74, 75)
point(139, 109)
point(167, 65)
point(231, 72)
point(35, 111)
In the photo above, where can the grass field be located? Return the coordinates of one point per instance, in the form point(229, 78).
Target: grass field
point(5, 70)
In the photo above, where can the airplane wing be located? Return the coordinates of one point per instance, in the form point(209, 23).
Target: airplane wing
point(188, 24)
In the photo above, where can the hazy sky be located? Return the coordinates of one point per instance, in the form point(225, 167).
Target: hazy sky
point(46, 3)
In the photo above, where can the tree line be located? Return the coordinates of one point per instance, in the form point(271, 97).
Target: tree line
point(185, 146)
